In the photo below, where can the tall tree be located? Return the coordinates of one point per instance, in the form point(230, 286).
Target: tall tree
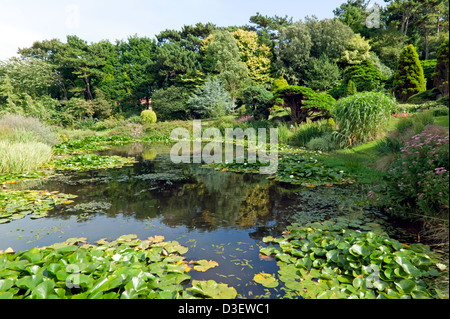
point(171, 62)
point(255, 56)
point(353, 14)
point(85, 61)
point(223, 58)
point(293, 52)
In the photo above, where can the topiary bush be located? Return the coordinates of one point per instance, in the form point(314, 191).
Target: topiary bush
point(409, 78)
point(361, 117)
point(148, 117)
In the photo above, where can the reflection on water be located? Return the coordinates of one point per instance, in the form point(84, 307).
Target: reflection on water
point(219, 216)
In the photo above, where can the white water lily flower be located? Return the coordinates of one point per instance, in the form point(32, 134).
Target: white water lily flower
point(291, 176)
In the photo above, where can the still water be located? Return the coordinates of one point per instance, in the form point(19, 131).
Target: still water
point(219, 216)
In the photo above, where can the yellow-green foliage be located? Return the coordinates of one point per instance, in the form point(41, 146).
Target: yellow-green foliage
point(22, 157)
point(148, 117)
point(409, 78)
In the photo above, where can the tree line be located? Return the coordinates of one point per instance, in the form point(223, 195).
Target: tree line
point(204, 70)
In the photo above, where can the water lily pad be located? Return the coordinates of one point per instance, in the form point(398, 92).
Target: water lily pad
point(267, 280)
point(212, 289)
point(204, 265)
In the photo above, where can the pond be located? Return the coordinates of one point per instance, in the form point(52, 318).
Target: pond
point(220, 216)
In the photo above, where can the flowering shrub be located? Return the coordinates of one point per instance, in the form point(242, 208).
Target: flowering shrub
point(244, 119)
point(418, 178)
point(401, 115)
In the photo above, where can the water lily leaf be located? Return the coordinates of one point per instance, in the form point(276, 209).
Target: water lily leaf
point(359, 250)
point(267, 280)
point(5, 284)
point(204, 265)
point(6, 295)
point(156, 239)
point(212, 289)
point(44, 290)
point(129, 294)
point(29, 282)
point(405, 286)
point(407, 266)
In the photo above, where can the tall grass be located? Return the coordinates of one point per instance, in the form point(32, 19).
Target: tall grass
point(362, 117)
point(28, 128)
point(25, 143)
point(18, 157)
point(300, 135)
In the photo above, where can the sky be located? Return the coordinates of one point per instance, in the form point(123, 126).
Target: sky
point(23, 22)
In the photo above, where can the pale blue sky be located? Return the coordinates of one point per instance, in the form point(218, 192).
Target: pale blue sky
point(25, 21)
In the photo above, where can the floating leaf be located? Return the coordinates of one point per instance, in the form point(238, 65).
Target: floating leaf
point(204, 265)
point(267, 280)
point(212, 289)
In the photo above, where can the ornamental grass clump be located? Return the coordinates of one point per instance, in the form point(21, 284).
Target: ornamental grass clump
point(362, 117)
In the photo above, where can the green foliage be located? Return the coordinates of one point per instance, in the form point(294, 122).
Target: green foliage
point(170, 103)
point(126, 268)
point(442, 68)
point(86, 162)
point(351, 88)
point(429, 67)
point(417, 182)
point(361, 117)
point(322, 74)
point(293, 169)
point(148, 117)
point(278, 84)
point(90, 143)
point(23, 157)
point(222, 57)
point(257, 101)
point(357, 50)
point(16, 205)
point(210, 100)
point(326, 261)
point(324, 143)
point(409, 78)
point(365, 76)
point(304, 102)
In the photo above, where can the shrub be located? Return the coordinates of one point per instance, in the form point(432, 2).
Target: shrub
point(170, 104)
point(304, 103)
point(418, 181)
point(303, 133)
point(442, 69)
point(324, 143)
point(148, 117)
point(409, 78)
point(210, 100)
point(429, 66)
point(361, 117)
point(22, 157)
point(257, 101)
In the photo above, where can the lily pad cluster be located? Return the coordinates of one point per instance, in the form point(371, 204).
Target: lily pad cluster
point(18, 204)
point(326, 261)
point(85, 162)
point(126, 268)
point(293, 169)
point(90, 143)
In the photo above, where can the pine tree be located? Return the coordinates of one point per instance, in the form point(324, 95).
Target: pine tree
point(409, 78)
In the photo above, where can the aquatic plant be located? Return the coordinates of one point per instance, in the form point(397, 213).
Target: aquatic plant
point(126, 268)
point(84, 162)
point(326, 261)
point(18, 204)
